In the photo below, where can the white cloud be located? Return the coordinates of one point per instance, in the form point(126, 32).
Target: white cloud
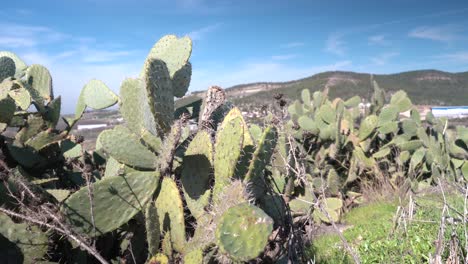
point(202, 32)
point(445, 33)
point(18, 36)
point(335, 44)
point(293, 45)
point(457, 57)
point(383, 59)
point(378, 40)
point(257, 72)
point(284, 57)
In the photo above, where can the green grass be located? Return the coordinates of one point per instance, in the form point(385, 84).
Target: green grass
point(372, 237)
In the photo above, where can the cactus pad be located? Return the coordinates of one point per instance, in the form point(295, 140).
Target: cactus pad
point(194, 257)
point(260, 159)
point(136, 108)
point(196, 173)
point(227, 152)
point(243, 232)
point(116, 200)
point(367, 126)
point(38, 77)
point(161, 94)
point(170, 211)
point(181, 80)
point(97, 95)
point(19, 64)
point(175, 52)
point(7, 68)
point(7, 109)
point(159, 259)
point(31, 241)
point(126, 148)
point(153, 230)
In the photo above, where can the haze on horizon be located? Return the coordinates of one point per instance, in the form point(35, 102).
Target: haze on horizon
point(235, 42)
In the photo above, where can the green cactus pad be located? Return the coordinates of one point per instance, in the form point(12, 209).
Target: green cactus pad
point(136, 108)
point(30, 240)
point(320, 216)
point(410, 128)
point(97, 95)
point(334, 182)
point(260, 159)
point(113, 167)
point(38, 77)
point(387, 114)
point(417, 157)
point(382, 153)
point(256, 132)
point(7, 68)
point(410, 145)
point(126, 148)
point(353, 101)
point(159, 259)
point(305, 96)
point(153, 230)
point(44, 139)
point(326, 113)
point(26, 156)
point(70, 150)
point(247, 144)
point(194, 257)
point(387, 128)
point(332, 206)
point(243, 232)
point(52, 114)
point(367, 127)
point(303, 203)
point(35, 126)
point(116, 200)
point(175, 52)
point(7, 109)
point(308, 124)
point(361, 157)
point(228, 146)
point(233, 114)
point(58, 194)
point(196, 173)
point(170, 210)
point(181, 80)
point(274, 206)
point(401, 101)
point(464, 170)
point(161, 94)
point(19, 64)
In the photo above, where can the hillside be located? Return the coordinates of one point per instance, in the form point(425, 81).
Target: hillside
point(424, 87)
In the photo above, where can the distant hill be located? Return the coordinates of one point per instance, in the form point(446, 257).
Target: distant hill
point(425, 87)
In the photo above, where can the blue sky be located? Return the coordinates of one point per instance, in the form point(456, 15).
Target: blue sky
point(235, 41)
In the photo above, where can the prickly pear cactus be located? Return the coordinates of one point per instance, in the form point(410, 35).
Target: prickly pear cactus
point(30, 240)
point(115, 201)
point(243, 232)
point(170, 211)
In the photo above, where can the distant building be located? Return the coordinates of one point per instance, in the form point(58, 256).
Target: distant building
point(450, 111)
point(93, 126)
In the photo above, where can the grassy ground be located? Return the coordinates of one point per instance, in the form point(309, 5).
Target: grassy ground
point(373, 235)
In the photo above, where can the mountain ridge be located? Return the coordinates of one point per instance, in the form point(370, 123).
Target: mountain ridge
point(430, 87)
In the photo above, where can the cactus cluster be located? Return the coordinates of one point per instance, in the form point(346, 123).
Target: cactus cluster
point(156, 191)
point(152, 186)
point(345, 144)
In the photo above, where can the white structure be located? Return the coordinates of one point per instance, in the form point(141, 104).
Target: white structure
point(450, 111)
point(93, 126)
